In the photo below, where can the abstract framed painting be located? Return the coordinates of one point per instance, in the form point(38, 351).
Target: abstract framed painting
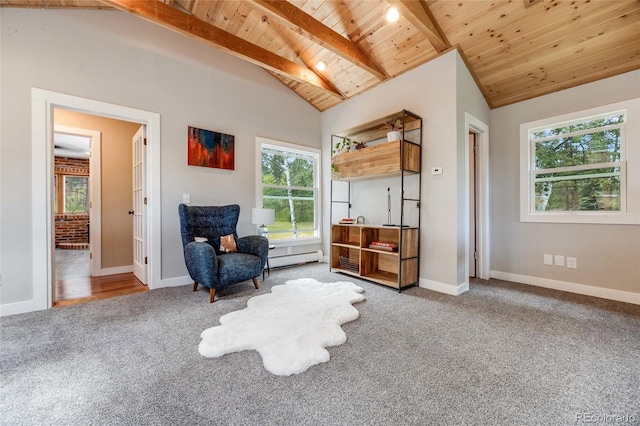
point(207, 148)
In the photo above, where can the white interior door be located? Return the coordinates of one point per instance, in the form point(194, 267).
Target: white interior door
point(139, 206)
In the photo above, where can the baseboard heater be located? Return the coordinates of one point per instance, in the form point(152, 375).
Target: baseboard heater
point(295, 259)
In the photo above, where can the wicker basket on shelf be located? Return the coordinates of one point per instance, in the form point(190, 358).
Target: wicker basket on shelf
point(349, 261)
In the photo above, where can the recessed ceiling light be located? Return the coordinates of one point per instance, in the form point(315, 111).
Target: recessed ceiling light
point(391, 14)
point(321, 66)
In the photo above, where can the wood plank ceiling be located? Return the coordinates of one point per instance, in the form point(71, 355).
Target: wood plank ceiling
point(515, 49)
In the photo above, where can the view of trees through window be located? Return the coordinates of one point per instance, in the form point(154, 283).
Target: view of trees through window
point(76, 194)
point(578, 165)
point(288, 186)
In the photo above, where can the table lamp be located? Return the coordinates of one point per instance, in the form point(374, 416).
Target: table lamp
point(263, 217)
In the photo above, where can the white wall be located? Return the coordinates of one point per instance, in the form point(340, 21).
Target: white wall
point(431, 92)
point(608, 255)
point(113, 57)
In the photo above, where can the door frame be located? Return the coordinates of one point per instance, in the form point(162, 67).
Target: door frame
point(483, 243)
point(43, 102)
point(473, 205)
point(95, 193)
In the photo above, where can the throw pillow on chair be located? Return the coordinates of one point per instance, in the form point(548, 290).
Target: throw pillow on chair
point(228, 244)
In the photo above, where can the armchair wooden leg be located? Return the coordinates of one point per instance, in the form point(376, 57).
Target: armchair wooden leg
point(255, 282)
point(195, 286)
point(212, 294)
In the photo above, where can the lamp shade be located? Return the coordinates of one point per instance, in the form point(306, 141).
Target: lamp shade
point(263, 216)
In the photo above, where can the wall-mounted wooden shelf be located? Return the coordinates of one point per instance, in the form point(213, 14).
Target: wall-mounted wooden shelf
point(378, 161)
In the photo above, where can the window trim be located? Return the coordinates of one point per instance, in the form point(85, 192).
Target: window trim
point(260, 142)
point(629, 169)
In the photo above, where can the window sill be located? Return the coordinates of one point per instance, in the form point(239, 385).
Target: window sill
point(603, 218)
point(292, 243)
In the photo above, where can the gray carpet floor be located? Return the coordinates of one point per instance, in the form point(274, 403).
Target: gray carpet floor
point(500, 354)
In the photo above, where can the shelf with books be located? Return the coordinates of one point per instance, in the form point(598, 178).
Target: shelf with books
point(377, 245)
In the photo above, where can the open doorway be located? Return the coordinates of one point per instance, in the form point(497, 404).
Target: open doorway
point(43, 104)
point(473, 226)
point(71, 200)
point(92, 198)
point(477, 238)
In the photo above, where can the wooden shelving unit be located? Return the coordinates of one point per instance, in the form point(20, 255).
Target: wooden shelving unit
point(351, 253)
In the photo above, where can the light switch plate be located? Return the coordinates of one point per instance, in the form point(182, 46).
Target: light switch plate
point(186, 198)
point(572, 262)
point(559, 260)
point(548, 259)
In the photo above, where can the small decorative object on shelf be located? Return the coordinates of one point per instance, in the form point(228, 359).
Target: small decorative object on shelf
point(394, 128)
point(342, 146)
point(360, 220)
point(347, 221)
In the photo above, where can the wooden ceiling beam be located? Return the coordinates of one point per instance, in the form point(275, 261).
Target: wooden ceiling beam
point(417, 12)
point(321, 34)
point(183, 23)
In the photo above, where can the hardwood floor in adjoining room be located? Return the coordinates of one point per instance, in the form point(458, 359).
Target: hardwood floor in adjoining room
point(87, 289)
point(74, 285)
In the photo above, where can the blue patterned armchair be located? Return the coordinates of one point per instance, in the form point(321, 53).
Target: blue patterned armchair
point(208, 265)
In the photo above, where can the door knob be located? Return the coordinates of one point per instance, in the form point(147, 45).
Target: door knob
point(130, 211)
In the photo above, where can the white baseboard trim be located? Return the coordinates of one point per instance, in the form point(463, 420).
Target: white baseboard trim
point(587, 290)
point(116, 270)
point(442, 287)
point(16, 308)
point(174, 282)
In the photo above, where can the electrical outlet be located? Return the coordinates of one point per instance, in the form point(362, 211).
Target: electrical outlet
point(548, 259)
point(572, 262)
point(559, 260)
point(186, 198)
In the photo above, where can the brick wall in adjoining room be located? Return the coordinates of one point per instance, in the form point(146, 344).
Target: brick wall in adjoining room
point(72, 228)
point(71, 166)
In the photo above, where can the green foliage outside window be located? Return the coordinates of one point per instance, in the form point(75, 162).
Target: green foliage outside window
point(577, 166)
point(288, 180)
point(76, 194)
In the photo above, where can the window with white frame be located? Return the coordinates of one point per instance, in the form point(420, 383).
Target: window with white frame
point(578, 168)
point(289, 182)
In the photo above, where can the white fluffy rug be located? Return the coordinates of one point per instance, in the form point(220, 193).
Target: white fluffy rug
point(290, 327)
